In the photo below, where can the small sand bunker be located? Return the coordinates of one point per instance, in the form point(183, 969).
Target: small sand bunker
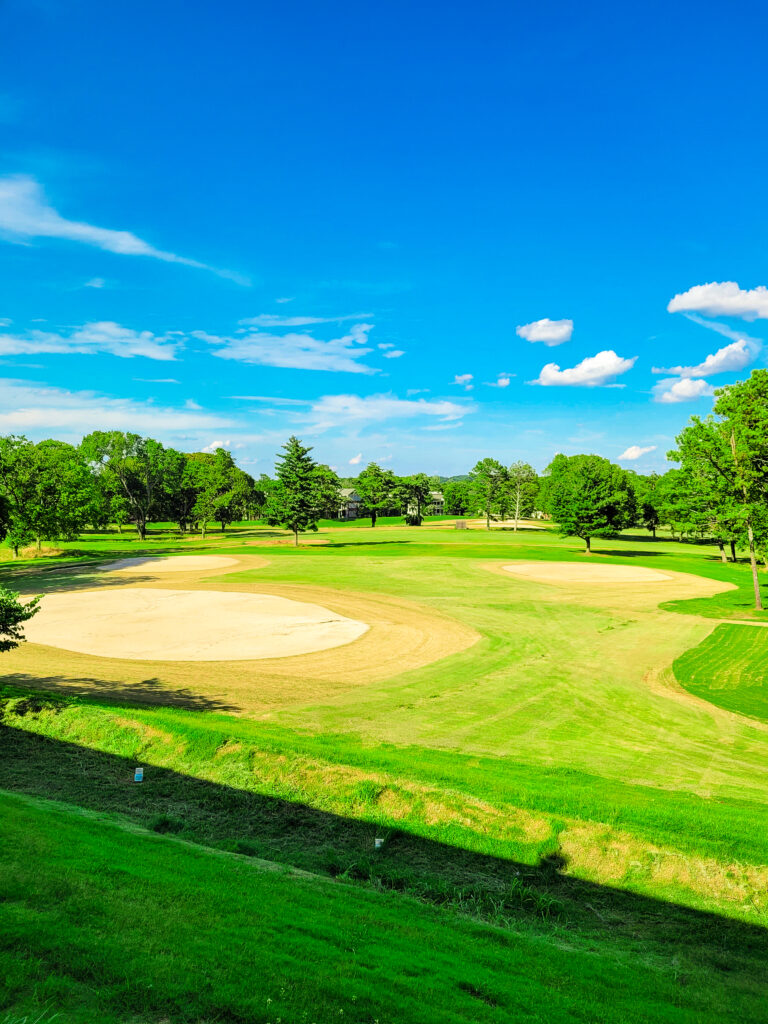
point(586, 572)
point(176, 563)
point(187, 625)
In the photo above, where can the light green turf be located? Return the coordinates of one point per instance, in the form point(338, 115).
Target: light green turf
point(729, 668)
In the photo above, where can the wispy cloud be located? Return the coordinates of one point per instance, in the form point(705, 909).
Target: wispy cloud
point(95, 282)
point(275, 320)
point(91, 339)
point(297, 351)
point(728, 359)
point(464, 380)
point(27, 406)
point(594, 371)
point(394, 353)
point(345, 410)
point(551, 332)
point(356, 459)
point(723, 298)
point(681, 389)
point(25, 214)
point(636, 451)
point(270, 400)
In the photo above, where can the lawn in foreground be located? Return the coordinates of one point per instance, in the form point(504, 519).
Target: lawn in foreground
point(102, 921)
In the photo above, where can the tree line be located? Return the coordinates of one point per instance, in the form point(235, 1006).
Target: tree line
point(52, 490)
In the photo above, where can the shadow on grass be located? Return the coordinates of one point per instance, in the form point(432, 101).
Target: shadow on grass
point(114, 691)
point(292, 833)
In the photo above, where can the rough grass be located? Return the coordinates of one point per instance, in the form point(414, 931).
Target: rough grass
point(105, 922)
point(730, 669)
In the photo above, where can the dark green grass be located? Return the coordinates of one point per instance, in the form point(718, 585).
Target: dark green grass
point(102, 922)
point(729, 669)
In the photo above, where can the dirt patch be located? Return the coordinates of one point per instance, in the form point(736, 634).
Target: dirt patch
point(187, 625)
point(177, 563)
point(402, 636)
point(586, 572)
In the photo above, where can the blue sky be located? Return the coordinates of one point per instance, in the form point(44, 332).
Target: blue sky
point(412, 233)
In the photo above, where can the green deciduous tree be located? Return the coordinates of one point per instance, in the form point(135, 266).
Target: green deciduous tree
point(376, 488)
point(732, 447)
point(488, 480)
point(588, 497)
point(457, 497)
point(135, 464)
point(523, 486)
point(13, 614)
point(414, 495)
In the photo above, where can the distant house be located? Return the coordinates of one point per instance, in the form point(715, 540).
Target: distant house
point(436, 506)
point(350, 503)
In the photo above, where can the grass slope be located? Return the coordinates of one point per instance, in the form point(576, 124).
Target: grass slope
point(102, 921)
point(729, 669)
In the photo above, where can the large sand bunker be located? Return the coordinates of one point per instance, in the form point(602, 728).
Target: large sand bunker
point(177, 563)
point(187, 625)
point(586, 572)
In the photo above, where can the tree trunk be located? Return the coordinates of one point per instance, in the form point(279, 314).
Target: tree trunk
point(202, 528)
point(222, 526)
point(753, 563)
point(119, 528)
point(517, 509)
point(588, 542)
point(733, 550)
point(39, 544)
point(141, 528)
point(295, 538)
point(488, 519)
point(15, 551)
point(373, 517)
point(653, 529)
point(723, 556)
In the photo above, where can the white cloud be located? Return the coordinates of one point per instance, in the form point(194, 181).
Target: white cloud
point(503, 380)
point(594, 371)
point(285, 299)
point(335, 410)
point(385, 344)
point(25, 213)
point(95, 282)
point(90, 339)
point(156, 380)
point(417, 391)
point(394, 354)
point(27, 406)
point(464, 380)
point(356, 459)
point(296, 351)
point(5, 321)
point(551, 332)
point(211, 448)
point(723, 298)
point(636, 451)
point(728, 359)
point(681, 389)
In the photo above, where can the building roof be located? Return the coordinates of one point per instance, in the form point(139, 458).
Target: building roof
point(349, 493)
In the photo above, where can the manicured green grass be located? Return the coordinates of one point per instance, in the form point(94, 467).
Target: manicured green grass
point(730, 669)
point(103, 922)
point(545, 779)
